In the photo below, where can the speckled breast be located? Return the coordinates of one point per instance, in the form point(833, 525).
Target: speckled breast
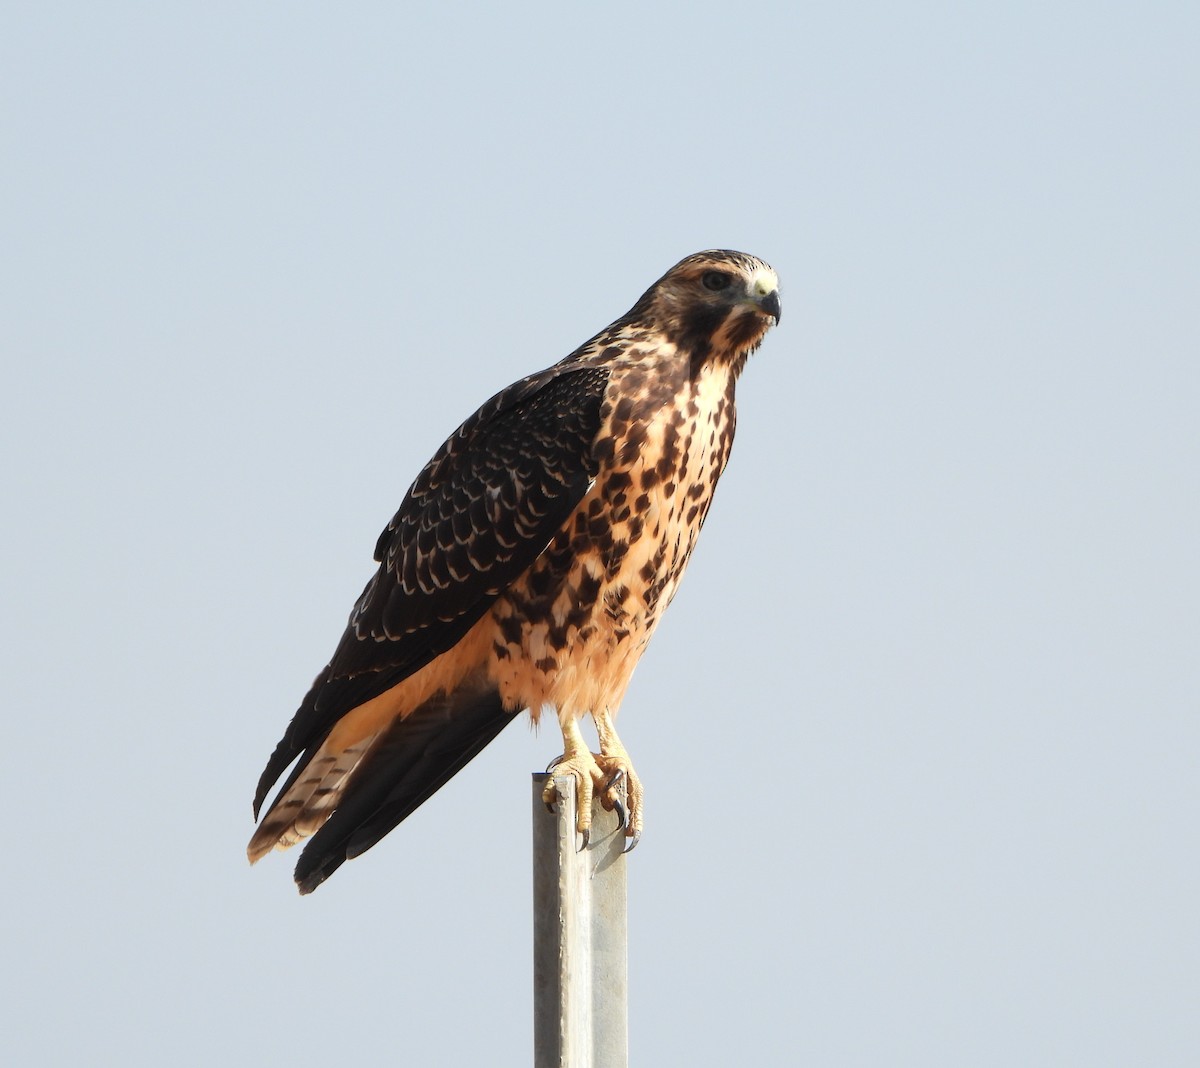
point(571, 630)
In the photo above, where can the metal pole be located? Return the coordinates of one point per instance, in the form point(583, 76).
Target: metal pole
point(580, 937)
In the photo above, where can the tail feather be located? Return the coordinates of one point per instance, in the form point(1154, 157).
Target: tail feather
point(400, 770)
point(308, 798)
point(289, 748)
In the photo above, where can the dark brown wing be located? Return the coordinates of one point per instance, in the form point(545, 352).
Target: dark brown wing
point(480, 513)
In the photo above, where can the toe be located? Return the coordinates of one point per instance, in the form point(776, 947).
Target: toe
point(583, 804)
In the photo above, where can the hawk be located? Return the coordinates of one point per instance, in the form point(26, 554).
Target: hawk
point(526, 569)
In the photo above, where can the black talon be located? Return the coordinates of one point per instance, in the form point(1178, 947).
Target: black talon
point(621, 821)
point(633, 841)
point(586, 835)
point(618, 775)
point(554, 763)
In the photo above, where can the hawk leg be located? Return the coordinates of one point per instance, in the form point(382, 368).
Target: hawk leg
point(597, 774)
point(615, 760)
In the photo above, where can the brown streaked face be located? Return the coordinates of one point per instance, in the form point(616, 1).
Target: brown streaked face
point(716, 304)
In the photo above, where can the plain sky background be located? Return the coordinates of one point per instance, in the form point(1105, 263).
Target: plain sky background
point(920, 734)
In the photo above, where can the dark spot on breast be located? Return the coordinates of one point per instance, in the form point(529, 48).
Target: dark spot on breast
point(579, 615)
point(547, 664)
point(631, 449)
point(671, 436)
point(512, 629)
point(541, 580)
point(559, 556)
point(588, 589)
point(521, 605)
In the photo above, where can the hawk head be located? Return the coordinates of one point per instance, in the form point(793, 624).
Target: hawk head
point(714, 305)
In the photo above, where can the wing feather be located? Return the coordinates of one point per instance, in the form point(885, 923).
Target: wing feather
point(482, 510)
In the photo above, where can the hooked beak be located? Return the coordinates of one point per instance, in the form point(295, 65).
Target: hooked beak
point(769, 303)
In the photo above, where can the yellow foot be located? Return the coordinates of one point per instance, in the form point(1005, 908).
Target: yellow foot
point(617, 764)
point(598, 775)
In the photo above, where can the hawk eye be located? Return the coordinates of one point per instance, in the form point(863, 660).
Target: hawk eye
point(716, 280)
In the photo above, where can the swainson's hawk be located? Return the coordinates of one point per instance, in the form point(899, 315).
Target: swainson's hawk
point(526, 569)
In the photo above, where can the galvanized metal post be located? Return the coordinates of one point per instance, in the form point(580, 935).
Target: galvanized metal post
point(580, 937)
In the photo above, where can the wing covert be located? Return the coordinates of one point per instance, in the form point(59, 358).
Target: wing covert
point(482, 510)
point(477, 516)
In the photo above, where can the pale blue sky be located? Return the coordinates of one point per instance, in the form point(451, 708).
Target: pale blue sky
point(920, 735)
